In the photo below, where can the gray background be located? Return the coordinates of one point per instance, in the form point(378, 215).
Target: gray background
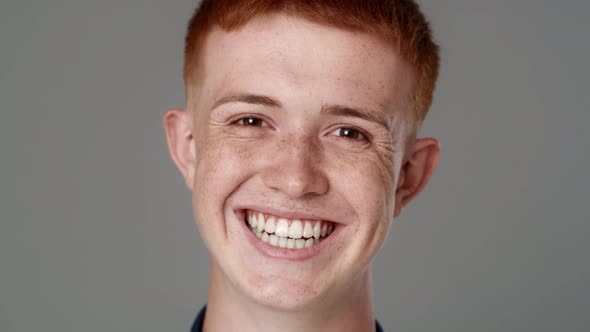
point(96, 229)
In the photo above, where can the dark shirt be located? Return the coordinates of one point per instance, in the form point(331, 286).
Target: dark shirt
point(198, 324)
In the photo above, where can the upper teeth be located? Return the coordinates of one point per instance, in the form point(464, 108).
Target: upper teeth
point(286, 233)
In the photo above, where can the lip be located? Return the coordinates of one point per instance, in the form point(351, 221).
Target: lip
point(295, 255)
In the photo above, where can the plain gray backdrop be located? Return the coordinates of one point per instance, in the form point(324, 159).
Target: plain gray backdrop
point(96, 226)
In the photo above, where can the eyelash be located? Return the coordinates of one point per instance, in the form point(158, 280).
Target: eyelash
point(253, 121)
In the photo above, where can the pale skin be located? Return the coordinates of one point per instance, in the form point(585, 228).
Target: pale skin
point(270, 128)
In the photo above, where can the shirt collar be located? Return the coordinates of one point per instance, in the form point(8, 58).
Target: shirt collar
point(198, 324)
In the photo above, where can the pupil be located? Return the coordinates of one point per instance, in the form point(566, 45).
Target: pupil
point(347, 132)
point(251, 121)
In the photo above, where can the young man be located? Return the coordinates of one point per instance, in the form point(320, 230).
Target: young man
point(299, 145)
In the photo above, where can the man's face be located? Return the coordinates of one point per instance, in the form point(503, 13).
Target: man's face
point(301, 124)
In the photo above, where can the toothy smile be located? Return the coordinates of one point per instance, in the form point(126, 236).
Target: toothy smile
point(287, 233)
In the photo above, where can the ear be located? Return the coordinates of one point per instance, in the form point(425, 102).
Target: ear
point(181, 144)
point(416, 171)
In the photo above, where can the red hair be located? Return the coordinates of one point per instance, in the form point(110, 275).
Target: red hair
point(399, 22)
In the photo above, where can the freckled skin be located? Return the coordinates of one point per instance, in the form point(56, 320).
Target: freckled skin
point(296, 161)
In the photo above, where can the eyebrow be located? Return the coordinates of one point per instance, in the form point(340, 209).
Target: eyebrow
point(337, 110)
point(355, 112)
point(248, 99)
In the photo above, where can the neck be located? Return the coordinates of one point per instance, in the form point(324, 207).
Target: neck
point(230, 310)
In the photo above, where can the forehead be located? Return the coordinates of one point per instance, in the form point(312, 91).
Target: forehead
point(294, 59)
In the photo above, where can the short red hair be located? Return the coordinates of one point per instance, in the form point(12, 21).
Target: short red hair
point(399, 22)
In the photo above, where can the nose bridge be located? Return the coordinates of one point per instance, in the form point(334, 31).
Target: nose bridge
point(300, 149)
point(296, 166)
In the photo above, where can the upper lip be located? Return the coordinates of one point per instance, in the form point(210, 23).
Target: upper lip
point(289, 214)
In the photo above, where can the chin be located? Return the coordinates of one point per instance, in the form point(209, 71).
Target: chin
point(283, 295)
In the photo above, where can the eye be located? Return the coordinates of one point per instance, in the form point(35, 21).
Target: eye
point(251, 122)
point(350, 133)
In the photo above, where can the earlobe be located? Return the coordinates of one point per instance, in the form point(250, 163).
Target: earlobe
point(416, 171)
point(179, 135)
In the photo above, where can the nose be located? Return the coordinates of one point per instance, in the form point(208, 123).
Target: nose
point(295, 169)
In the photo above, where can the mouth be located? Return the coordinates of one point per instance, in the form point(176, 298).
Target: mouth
point(287, 233)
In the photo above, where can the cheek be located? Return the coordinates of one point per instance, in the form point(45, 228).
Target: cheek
point(221, 165)
point(367, 181)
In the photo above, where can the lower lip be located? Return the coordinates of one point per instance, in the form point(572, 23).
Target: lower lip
point(284, 253)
